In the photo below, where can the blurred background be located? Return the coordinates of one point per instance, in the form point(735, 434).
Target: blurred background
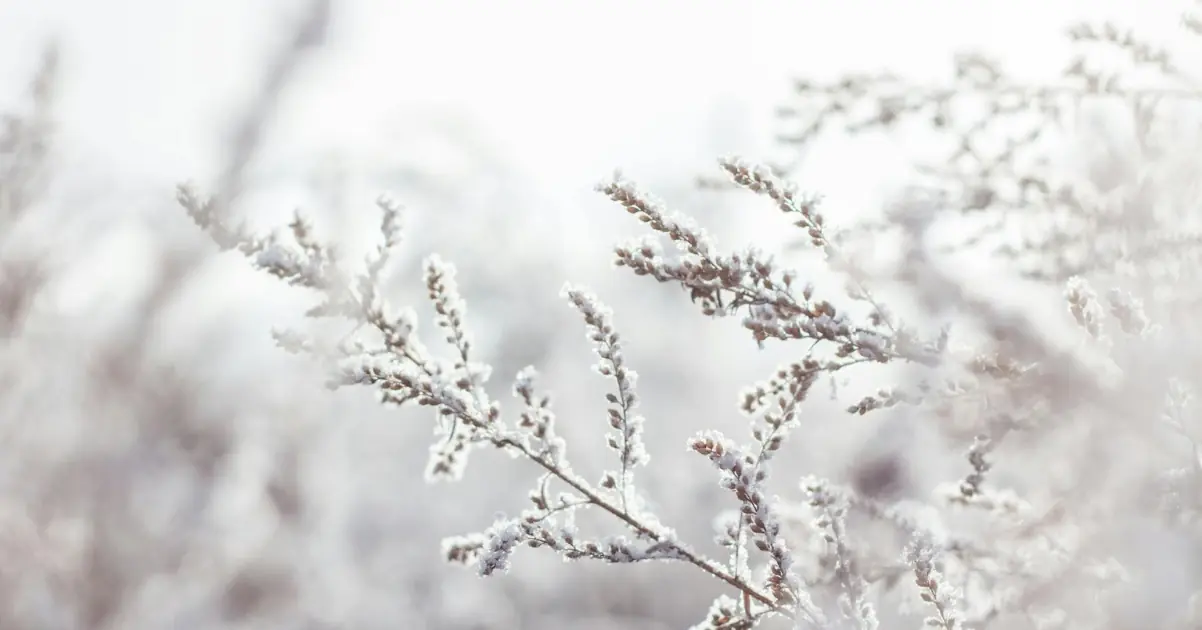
point(167, 467)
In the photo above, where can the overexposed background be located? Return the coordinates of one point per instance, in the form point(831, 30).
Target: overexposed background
point(562, 93)
point(491, 121)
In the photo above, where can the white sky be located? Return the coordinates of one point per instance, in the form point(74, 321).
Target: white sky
point(567, 90)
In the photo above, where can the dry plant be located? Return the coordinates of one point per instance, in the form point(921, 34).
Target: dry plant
point(1077, 501)
point(998, 164)
point(125, 469)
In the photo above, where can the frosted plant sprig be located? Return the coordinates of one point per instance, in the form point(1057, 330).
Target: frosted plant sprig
point(470, 377)
point(627, 438)
point(831, 508)
point(538, 418)
point(402, 368)
point(491, 551)
point(760, 180)
point(305, 262)
point(972, 491)
point(741, 476)
point(449, 311)
point(660, 544)
point(887, 397)
point(682, 230)
point(937, 592)
point(403, 371)
point(1020, 378)
point(392, 230)
point(790, 385)
point(999, 171)
point(776, 307)
point(977, 453)
point(725, 614)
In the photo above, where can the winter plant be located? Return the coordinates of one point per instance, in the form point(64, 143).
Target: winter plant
point(1076, 438)
point(997, 150)
point(1074, 501)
